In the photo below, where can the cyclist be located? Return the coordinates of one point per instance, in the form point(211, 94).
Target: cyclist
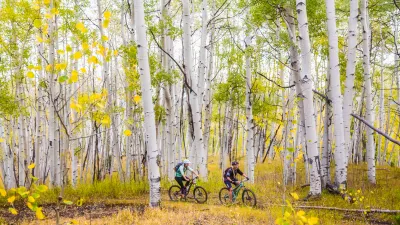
point(180, 175)
point(230, 177)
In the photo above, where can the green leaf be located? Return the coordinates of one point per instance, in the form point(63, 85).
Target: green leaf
point(36, 195)
point(62, 79)
point(42, 188)
point(67, 202)
point(290, 149)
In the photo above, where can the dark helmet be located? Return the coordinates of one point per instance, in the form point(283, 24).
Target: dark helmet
point(234, 163)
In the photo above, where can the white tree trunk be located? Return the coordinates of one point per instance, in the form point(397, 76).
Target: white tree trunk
point(350, 73)
point(336, 97)
point(306, 83)
point(381, 101)
point(197, 150)
point(149, 118)
point(249, 116)
point(368, 96)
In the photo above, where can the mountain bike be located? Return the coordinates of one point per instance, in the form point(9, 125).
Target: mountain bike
point(199, 193)
point(248, 196)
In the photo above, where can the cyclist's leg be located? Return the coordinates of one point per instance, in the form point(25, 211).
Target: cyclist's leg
point(180, 182)
point(228, 185)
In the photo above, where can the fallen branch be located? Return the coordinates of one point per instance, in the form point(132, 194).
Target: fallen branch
point(349, 210)
point(376, 129)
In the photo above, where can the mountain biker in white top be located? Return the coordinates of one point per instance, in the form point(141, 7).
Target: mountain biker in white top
point(180, 175)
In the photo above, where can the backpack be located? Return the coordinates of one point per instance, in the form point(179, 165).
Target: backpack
point(177, 166)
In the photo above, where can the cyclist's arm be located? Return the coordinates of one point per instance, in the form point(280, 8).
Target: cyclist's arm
point(193, 172)
point(243, 174)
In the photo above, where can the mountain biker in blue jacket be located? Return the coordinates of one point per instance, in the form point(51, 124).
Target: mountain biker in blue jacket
point(230, 177)
point(180, 175)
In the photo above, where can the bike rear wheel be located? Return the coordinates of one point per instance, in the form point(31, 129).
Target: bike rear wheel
point(174, 192)
point(224, 196)
point(200, 194)
point(249, 198)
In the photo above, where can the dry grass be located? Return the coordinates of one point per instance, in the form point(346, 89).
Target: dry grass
point(125, 198)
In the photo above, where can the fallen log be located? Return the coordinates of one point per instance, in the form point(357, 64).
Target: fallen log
point(349, 210)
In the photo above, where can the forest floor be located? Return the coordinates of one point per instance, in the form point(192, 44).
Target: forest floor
point(111, 202)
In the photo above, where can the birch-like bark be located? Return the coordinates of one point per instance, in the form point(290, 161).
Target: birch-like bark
point(197, 148)
point(381, 101)
point(336, 97)
point(249, 115)
point(295, 65)
point(207, 97)
point(149, 118)
point(306, 86)
point(202, 54)
point(350, 73)
point(368, 94)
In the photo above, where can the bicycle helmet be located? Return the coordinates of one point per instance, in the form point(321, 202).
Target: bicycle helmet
point(234, 163)
point(186, 161)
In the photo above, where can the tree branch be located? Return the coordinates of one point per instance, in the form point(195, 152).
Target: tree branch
point(177, 64)
point(376, 129)
point(323, 96)
point(290, 86)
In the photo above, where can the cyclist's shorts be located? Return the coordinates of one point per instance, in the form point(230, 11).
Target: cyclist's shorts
point(228, 184)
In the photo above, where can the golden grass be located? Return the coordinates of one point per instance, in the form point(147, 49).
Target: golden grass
point(268, 188)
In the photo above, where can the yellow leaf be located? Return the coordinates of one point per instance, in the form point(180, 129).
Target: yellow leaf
point(38, 68)
point(39, 39)
point(11, 199)
point(60, 51)
point(31, 166)
point(300, 213)
point(115, 52)
point(1, 140)
point(136, 99)
point(31, 199)
point(49, 68)
point(104, 38)
point(105, 120)
point(312, 221)
point(13, 211)
point(93, 59)
point(46, 2)
point(105, 23)
point(295, 195)
point(85, 46)
point(74, 221)
point(127, 133)
point(48, 16)
point(54, 11)
point(83, 70)
point(30, 74)
point(39, 213)
point(81, 27)
point(287, 214)
point(3, 192)
point(107, 14)
point(77, 55)
point(29, 205)
point(74, 76)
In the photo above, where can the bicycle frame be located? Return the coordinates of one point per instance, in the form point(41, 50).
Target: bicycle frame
point(191, 182)
point(236, 190)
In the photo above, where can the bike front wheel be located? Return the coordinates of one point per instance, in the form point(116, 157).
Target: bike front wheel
point(224, 196)
point(174, 192)
point(200, 194)
point(249, 198)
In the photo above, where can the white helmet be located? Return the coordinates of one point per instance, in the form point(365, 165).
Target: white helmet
point(186, 161)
